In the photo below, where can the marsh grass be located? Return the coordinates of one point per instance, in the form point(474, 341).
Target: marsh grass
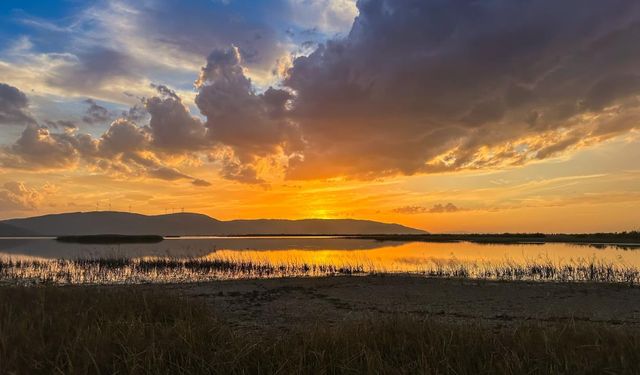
point(172, 270)
point(160, 270)
point(130, 330)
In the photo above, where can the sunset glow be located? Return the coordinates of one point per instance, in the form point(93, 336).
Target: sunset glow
point(449, 123)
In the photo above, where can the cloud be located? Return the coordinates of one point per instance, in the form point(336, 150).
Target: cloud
point(136, 113)
point(92, 68)
point(18, 196)
point(436, 208)
point(236, 171)
point(250, 124)
point(169, 174)
point(440, 208)
point(61, 124)
point(328, 16)
point(416, 86)
point(123, 137)
point(95, 114)
point(204, 25)
point(199, 182)
point(38, 148)
point(172, 127)
point(432, 86)
point(14, 106)
point(124, 149)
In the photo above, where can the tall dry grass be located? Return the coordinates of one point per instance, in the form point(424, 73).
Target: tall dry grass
point(118, 330)
point(172, 270)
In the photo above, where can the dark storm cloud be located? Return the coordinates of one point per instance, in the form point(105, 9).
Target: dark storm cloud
point(13, 106)
point(417, 80)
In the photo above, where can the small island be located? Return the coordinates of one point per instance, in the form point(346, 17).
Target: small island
point(111, 239)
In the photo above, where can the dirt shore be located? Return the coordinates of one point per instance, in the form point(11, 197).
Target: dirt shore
point(285, 303)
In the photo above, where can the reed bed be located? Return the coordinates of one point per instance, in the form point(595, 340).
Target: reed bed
point(157, 270)
point(176, 270)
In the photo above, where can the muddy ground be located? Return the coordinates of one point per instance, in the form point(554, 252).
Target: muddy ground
point(286, 303)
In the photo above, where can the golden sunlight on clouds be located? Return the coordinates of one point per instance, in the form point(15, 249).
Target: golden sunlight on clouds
point(406, 112)
point(546, 196)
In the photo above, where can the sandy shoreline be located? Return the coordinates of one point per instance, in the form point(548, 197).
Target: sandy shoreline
point(289, 302)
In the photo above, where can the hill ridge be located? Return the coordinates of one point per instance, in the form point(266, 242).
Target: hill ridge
point(191, 223)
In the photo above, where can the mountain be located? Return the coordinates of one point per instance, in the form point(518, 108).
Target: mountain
point(103, 222)
point(7, 230)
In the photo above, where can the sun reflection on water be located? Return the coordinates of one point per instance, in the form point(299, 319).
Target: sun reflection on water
point(549, 262)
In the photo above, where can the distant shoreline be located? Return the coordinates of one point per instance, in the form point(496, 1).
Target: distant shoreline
point(111, 239)
point(595, 239)
point(623, 238)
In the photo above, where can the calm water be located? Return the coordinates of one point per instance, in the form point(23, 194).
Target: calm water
point(323, 250)
point(37, 260)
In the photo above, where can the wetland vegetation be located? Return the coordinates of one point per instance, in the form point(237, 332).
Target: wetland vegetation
point(80, 330)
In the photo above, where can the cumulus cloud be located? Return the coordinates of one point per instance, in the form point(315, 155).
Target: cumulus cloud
point(123, 149)
point(249, 124)
point(172, 127)
point(122, 137)
point(14, 106)
point(436, 208)
point(37, 148)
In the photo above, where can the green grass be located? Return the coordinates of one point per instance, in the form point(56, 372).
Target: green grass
point(104, 330)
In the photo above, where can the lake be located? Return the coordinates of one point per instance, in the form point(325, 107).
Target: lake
point(206, 258)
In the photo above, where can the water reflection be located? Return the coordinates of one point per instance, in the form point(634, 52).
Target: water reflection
point(49, 248)
point(201, 259)
point(412, 256)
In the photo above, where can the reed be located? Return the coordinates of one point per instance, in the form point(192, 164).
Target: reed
point(170, 270)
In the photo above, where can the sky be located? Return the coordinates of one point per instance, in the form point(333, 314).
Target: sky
point(449, 116)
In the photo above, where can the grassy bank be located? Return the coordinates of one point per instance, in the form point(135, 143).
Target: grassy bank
point(132, 330)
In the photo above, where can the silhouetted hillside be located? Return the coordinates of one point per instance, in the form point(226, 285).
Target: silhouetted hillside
point(101, 222)
point(7, 230)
